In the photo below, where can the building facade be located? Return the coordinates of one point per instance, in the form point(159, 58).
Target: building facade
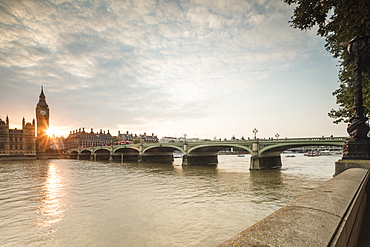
point(57, 143)
point(81, 139)
point(26, 142)
point(17, 143)
point(134, 138)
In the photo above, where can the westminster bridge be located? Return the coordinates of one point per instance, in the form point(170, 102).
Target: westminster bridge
point(265, 152)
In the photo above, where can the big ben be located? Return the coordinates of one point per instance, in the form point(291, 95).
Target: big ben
point(42, 120)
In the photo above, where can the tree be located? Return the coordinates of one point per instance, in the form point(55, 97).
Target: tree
point(338, 21)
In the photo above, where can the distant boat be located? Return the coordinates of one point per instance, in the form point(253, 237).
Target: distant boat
point(312, 154)
point(329, 152)
point(326, 152)
point(177, 155)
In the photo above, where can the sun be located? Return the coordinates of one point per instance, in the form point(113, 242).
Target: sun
point(52, 131)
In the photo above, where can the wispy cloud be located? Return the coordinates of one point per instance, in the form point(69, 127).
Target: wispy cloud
point(147, 59)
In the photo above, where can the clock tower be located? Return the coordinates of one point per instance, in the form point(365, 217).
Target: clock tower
point(42, 120)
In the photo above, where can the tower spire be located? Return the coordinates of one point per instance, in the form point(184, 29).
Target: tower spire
point(42, 98)
point(42, 95)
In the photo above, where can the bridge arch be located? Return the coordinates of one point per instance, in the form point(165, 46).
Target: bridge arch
point(119, 147)
point(73, 154)
point(280, 147)
point(207, 154)
point(101, 154)
point(125, 154)
point(160, 154)
point(164, 147)
point(266, 153)
point(85, 155)
point(219, 146)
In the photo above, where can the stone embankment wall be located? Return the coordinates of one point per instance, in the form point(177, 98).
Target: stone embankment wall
point(329, 215)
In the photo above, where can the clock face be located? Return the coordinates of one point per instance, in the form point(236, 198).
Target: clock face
point(43, 112)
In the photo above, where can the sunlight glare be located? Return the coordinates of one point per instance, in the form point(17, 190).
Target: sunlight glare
point(53, 131)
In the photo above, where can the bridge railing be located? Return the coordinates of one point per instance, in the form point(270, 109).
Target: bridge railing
point(307, 139)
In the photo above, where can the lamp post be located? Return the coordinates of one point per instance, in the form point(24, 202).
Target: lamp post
point(255, 131)
point(357, 145)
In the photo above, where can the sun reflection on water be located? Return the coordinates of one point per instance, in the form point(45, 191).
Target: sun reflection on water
point(51, 209)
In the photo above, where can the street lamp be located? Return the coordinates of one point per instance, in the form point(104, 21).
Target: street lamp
point(277, 135)
point(255, 131)
point(357, 145)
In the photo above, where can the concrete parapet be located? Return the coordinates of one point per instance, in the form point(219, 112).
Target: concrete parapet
point(342, 165)
point(329, 215)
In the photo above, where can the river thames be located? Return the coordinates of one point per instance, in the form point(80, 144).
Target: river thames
point(83, 203)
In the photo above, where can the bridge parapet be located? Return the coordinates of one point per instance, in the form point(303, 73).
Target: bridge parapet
point(304, 139)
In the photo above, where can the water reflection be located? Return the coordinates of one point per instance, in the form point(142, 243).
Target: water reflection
point(266, 178)
point(199, 170)
point(51, 209)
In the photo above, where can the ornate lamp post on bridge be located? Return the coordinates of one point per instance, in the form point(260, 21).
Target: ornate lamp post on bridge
point(255, 131)
point(357, 145)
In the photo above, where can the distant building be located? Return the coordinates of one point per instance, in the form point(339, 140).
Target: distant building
point(57, 143)
point(134, 138)
point(17, 143)
point(81, 139)
point(166, 139)
point(151, 138)
point(126, 137)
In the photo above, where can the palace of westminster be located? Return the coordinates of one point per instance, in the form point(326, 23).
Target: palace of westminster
point(23, 143)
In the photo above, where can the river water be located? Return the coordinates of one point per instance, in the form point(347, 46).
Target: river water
point(83, 203)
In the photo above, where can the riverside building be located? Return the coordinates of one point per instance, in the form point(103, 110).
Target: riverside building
point(22, 143)
point(17, 143)
point(134, 138)
point(82, 139)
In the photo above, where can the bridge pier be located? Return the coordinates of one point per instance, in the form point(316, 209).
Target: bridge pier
point(263, 163)
point(270, 160)
point(140, 156)
point(185, 160)
point(205, 160)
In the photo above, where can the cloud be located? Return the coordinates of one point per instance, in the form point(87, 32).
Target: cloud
point(148, 60)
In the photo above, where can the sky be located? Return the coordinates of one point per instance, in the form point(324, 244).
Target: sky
point(204, 68)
